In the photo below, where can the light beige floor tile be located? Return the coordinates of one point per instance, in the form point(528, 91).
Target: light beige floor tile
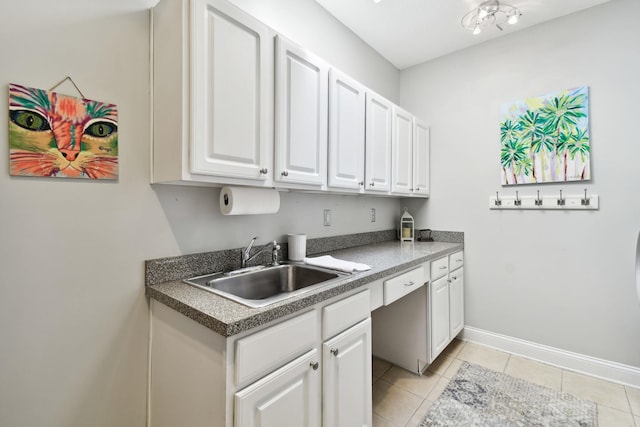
point(453, 348)
point(438, 389)
point(484, 356)
point(440, 365)
point(609, 417)
point(394, 404)
point(378, 421)
point(634, 399)
point(379, 367)
point(420, 385)
point(596, 390)
point(535, 372)
point(453, 368)
point(418, 416)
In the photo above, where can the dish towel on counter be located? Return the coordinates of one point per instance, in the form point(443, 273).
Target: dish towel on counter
point(327, 261)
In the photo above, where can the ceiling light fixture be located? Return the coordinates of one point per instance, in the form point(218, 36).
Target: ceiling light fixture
point(490, 12)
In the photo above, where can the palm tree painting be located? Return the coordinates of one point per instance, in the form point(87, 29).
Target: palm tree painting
point(546, 138)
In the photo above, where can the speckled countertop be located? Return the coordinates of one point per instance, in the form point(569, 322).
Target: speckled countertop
point(228, 318)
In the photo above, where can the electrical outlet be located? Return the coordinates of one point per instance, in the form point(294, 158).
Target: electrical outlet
point(327, 217)
point(373, 214)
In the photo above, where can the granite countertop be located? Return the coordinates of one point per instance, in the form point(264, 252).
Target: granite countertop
point(229, 318)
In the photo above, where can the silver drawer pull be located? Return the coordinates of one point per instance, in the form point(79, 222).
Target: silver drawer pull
point(409, 284)
point(459, 260)
point(264, 171)
point(314, 365)
point(444, 267)
point(454, 277)
point(284, 173)
point(334, 351)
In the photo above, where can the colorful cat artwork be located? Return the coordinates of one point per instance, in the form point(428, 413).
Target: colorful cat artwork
point(56, 135)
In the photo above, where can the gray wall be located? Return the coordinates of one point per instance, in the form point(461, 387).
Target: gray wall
point(563, 279)
point(73, 316)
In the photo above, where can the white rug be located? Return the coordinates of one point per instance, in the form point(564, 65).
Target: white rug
point(478, 396)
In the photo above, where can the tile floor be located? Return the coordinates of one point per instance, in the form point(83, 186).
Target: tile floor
point(402, 399)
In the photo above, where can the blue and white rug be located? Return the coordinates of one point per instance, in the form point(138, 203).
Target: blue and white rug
point(478, 396)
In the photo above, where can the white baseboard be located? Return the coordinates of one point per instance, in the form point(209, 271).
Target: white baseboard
point(611, 371)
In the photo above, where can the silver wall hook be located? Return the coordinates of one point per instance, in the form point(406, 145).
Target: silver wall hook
point(585, 201)
point(517, 201)
point(498, 202)
point(561, 200)
point(538, 200)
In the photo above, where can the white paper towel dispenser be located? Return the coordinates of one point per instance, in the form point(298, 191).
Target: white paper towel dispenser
point(249, 201)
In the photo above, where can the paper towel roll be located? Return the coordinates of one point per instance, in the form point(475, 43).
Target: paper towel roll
point(249, 201)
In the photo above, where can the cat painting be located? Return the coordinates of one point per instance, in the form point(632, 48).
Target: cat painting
point(56, 135)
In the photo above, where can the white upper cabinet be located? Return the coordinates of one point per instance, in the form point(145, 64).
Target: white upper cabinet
point(420, 157)
point(236, 104)
point(346, 131)
point(301, 116)
point(213, 94)
point(378, 136)
point(402, 156)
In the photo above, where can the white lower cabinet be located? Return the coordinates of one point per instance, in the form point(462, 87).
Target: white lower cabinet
point(289, 397)
point(308, 370)
point(346, 387)
point(456, 303)
point(439, 317)
point(446, 302)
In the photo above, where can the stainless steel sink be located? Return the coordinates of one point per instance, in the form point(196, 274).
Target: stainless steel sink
point(258, 288)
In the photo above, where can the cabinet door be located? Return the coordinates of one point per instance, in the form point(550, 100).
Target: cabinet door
point(378, 143)
point(288, 397)
point(439, 315)
point(346, 131)
point(456, 302)
point(347, 378)
point(231, 93)
point(420, 158)
point(402, 157)
point(301, 115)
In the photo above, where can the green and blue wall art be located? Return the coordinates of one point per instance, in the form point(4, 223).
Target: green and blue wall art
point(545, 139)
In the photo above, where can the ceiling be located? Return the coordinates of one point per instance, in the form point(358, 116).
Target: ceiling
point(409, 32)
point(406, 32)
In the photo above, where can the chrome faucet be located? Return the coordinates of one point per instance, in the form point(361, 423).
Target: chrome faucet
point(247, 256)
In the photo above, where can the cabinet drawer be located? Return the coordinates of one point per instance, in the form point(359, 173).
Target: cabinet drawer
point(343, 314)
point(267, 350)
point(439, 268)
point(456, 260)
point(403, 284)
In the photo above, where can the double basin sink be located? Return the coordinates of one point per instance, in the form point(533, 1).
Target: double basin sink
point(261, 286)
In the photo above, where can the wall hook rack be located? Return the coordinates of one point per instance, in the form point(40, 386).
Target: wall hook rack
point(545, 202)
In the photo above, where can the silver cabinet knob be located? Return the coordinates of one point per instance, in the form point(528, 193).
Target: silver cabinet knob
point(314, 365)
point(409, 284)
point(264, 171)
point(361, 183)
point(284, 173)
point(418, 189)
point(334, 351)
point(373, 184)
